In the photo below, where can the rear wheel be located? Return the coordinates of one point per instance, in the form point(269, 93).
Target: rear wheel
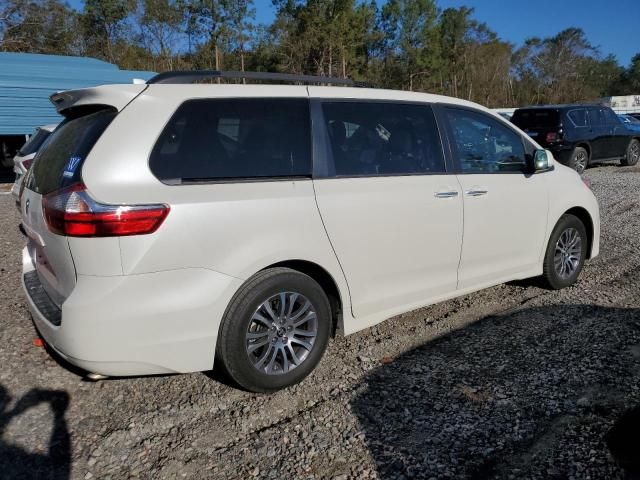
point(566, 252)
point(275, 330)
point(633, 154)
point(579, 159)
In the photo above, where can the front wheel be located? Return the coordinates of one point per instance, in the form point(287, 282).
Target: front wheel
point(633, 154)
point(274, 331)
point(566, 252)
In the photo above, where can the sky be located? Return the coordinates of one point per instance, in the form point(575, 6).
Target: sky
point(611, 25)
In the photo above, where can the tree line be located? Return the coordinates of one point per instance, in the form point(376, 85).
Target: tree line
point(402, 44)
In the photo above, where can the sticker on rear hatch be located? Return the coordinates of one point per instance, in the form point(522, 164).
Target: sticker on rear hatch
point(70, 169)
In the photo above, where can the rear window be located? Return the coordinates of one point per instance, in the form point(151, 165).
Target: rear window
point(536, 118)
point(34, 143)
point(210, 139)
point(59, 163)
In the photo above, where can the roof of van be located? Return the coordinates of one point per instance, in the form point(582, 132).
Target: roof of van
point(27, 80)
point(119, 96)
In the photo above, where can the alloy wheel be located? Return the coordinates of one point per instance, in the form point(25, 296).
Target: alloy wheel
point(581, 162)
point(568, 253)
point(281, 333)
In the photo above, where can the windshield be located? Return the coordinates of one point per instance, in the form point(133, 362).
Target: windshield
point(629, 119)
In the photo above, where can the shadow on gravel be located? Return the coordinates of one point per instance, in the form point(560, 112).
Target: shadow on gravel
point(623, 441)
point(529, 393)
point(17, 463)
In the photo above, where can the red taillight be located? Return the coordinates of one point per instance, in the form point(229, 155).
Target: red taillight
point(73, 213)
point(551, 137)
point(27, 163)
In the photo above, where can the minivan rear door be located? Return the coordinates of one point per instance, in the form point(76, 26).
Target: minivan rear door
point(55, 167)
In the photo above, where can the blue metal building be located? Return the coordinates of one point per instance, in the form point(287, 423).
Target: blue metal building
point(27, 80)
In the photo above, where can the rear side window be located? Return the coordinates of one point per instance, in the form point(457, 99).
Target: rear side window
point(209, 139)
point(59, 163)
point(383, 139)
point(578, 117)
point(536, 118)
point(34, 143)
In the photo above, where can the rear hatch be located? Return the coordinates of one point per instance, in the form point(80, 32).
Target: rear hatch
point(55, 167)
point(541, 124)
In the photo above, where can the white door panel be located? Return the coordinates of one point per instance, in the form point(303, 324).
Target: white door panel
point(398, 238)
point(505, 223)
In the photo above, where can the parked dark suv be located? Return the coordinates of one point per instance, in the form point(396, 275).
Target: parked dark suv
point(580, 134)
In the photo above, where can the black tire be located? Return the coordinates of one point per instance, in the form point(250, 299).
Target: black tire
point(579, 160)
point(232, 348)
point(554, 279)
point(633, 154)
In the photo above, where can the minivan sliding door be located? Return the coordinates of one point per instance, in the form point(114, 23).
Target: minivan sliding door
point(393, 215)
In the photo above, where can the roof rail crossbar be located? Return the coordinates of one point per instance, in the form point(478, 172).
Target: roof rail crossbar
point(177, 77)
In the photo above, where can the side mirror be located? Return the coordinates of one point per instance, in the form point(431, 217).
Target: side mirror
point(541, 161)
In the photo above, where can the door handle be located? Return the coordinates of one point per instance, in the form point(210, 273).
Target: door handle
point(447, 194)
point(476, 192)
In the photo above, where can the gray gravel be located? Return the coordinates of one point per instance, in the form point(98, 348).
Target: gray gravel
point(512, 382)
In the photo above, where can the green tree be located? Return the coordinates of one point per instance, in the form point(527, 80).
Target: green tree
point(630, 80)
point(39, 26)
point(160, 24)
point(104, 25)
point(324, 37)
point(411, 46)
point(553, 69)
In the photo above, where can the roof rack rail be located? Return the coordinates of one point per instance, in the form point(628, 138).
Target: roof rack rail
point(177, 77)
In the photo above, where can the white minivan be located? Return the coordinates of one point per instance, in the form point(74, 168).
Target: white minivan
point(175, 224)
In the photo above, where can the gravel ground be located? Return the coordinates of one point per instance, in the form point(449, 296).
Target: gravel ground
point(511, 382)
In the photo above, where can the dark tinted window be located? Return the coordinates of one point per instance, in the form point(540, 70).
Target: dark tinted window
point(59, 163)
point(578, 117)
point(383, 138)
point(536, 118)
point(34, 143)
point(610, 117)
point(483, 144)
point(239, 138)
point(597, 117)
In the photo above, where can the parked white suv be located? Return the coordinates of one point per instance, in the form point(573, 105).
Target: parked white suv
point(174, 224)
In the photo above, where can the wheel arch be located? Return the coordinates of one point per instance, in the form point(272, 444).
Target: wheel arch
point(587, 221)
point(586, 146)
point(326, 281)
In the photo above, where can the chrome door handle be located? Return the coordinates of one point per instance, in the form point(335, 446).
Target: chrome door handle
point(450, 194)
point(476, 193)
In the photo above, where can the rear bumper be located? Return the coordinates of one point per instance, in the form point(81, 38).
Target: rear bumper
point(163, 322)
point(562, 153)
